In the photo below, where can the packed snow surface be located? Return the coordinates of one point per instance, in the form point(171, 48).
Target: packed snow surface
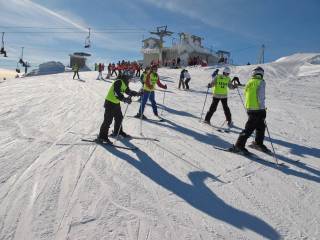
point(54, 186)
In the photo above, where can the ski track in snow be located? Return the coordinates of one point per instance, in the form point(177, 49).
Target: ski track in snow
point(179, 188)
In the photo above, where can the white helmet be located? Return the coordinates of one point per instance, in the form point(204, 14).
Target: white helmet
point(258, 71)
point(227, 70)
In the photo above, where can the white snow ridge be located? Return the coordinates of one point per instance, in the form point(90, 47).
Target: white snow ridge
point(55, 186)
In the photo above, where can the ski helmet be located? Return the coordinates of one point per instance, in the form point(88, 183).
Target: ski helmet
point(258, 71)
point(227, 70)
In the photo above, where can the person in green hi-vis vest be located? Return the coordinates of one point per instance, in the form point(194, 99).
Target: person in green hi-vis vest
point(75, 69)
point(113, 108)
point(256, 110)
point(220, 84)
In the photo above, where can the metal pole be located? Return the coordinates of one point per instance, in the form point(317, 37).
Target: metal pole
point(273, 151)
point(205, 100)
point(164, 95)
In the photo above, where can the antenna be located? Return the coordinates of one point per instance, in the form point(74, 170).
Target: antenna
point(261, 55)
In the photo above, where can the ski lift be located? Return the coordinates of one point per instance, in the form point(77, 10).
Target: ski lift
point(17, 68)
point(87, 41)
point(21, 62)
point(2, 51)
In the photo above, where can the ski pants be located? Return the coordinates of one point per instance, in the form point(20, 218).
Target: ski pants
point(112, 110)
point(256, 121)
point(187, 82)
point(151, 96)
point(181, 81)
point(213, 108)
point(76, 73)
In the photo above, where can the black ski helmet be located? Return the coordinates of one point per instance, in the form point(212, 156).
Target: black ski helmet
point(258, 71)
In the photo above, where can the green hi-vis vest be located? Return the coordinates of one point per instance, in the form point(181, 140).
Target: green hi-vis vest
point(221, 85)
point(111, 96)
point(251, 93)
point(153, 80)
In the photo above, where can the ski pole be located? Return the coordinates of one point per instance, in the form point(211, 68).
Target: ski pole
point(273, 151)
point(125, 112)
point(205, 100)
point(164, 96)
point(241, 100)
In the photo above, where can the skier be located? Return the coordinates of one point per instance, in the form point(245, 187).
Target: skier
point(255, 105)
point(181, 80)
point(113, 108)
point(143, 79)
point(75, 69)
point(220, 85)
point(215, 73)
point(100, 69)
point(187, 78)
point(148, 92)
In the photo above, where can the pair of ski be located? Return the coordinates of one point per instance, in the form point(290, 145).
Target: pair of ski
point(160, 119)
point(250, 154)
point(108, 144)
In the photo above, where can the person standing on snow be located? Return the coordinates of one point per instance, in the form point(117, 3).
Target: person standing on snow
point(148, 92)
point(181, 80)
point(75, 69)
point(215, 73)
point(256, 110)
point(113, 108)
point(220, 85)
point(100, 69)
point(187, 78)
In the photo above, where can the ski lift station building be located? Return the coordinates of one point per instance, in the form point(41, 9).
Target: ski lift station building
point(80, 58)
point(189, 46)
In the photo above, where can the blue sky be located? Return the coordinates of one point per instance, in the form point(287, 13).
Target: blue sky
point(239, 26)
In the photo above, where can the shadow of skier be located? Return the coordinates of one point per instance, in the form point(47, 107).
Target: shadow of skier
point(197, 194)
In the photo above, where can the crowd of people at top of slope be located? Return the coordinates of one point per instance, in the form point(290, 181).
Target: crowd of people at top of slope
point(254, 102)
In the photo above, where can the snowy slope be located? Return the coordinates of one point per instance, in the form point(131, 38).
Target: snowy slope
point(53, 186)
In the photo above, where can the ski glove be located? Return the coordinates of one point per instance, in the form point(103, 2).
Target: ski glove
point(165, 86)
point(127, 100)
point(209, 85)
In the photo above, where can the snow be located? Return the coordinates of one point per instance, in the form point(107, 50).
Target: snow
point(7, 73)
point(53, 186)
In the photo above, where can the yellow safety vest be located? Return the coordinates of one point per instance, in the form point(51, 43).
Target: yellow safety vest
point(111, 94)
point(221, 85)
point(251, 93)
point(153, 80)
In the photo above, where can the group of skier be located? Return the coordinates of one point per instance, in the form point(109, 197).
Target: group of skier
point(254, 103)
point(115, 95)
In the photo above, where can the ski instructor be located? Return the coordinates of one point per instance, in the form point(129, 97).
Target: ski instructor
point(255, 106)
point(113, 108)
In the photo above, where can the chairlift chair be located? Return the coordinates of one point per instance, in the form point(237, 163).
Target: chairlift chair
point(17, 68)
point(2, 51)
point(87, 41)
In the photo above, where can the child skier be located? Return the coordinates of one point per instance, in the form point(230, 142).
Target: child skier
point(113, 108)
point(148, 92)
point(220, 85)
point(255, 106)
